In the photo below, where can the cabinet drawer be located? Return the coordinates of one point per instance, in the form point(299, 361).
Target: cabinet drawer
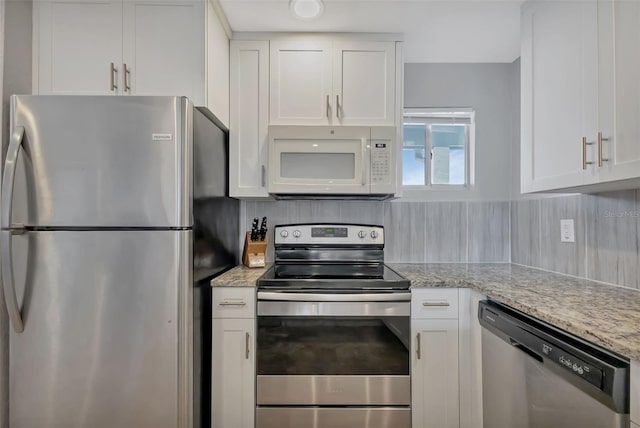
point(234, 302)
point(439, 303)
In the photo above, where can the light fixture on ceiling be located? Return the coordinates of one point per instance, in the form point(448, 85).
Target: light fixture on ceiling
point(306, 9)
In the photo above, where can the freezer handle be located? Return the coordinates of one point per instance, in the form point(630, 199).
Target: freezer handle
point(6, 238)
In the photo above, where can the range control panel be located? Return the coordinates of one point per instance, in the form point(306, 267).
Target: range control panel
point(318, 234)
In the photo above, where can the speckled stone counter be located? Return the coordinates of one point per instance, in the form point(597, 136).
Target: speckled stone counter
point(603, 314)
point(239, 276)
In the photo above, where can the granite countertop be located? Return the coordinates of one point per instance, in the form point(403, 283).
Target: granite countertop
point(606, 315)
point(239, 276)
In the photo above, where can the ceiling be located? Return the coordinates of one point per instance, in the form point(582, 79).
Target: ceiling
point(434, 30)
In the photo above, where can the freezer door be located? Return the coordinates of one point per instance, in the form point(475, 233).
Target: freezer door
point(92, 161)
point(107, 334)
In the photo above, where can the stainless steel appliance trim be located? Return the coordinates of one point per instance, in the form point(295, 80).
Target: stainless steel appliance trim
point(314, 309)
point(6, 199)
point(334, 297)
point(333, 390)
point(332, 417)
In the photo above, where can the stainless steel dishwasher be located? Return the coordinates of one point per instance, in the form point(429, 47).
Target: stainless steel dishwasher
point(535, 375)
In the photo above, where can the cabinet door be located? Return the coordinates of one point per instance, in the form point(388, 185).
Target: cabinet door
point(75, 43)
point(635, 391)
point(248, 118)
point(559, 94)
point(163, 48)
point(301, 82)
point(434, 377)
point(364, 82)
point(620, 56)
point(233, 373)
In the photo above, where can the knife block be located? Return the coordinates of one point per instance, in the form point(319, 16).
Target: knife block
point(254, 254)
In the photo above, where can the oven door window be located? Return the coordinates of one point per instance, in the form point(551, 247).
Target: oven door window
point(333, 346)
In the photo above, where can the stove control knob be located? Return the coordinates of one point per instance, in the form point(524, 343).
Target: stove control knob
point(374, 234)
point(284, 233)
point(362, 234)
point(296, 233)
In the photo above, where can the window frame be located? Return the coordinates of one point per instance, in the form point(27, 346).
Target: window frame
point(429, 116)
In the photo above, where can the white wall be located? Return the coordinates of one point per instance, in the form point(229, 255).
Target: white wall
point(217, 63)
point(487, 88)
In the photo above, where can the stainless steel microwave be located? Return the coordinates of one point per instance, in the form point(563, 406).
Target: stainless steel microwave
point(332, 161)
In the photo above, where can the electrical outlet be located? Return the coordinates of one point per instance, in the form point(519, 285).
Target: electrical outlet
point(567, 231)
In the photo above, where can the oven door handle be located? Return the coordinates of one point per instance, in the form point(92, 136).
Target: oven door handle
point(334, 297)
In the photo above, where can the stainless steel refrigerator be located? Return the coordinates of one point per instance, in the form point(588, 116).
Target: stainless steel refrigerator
point(100, 260)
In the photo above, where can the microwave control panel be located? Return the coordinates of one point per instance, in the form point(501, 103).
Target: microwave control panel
point(380, 162)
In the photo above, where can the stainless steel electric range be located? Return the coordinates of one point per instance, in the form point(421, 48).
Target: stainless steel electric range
point(333, 332)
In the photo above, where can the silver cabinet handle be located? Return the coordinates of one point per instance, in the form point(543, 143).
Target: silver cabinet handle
point(113, 72)
point(126, 72)
point(600, 158)
point(232, 304)
point(435, 304)
point(363, 163)
point(338, 106)
point(246, 346)
point(327, 107)
point(6, 239)
point(418, 345)
point(264, 176)
point(584, 153)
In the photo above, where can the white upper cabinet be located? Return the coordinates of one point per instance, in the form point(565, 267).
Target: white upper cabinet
point(619, 71)
point(364, 82)
point(163, 48)
point(559, 94)
point(301, 79)
point(325, 81)
point(249, 118)
point(76, 42)
point(156, 48)
point(580, 95)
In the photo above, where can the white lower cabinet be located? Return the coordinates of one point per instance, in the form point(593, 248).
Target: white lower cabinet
point(446, 367)
point(233, 363)
point(434, 379)
point(435, 383)
point(635, 393)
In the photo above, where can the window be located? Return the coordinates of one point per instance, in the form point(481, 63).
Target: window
point(437, 146)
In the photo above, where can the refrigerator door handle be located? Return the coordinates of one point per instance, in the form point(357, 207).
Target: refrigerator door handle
point(6, 235)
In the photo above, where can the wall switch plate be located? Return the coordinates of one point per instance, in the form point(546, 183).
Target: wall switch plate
point(567, 231)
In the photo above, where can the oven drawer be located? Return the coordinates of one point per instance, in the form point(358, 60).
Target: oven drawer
point(333, 417)
point(234, 302)
point(323, 390)
point(440, 303)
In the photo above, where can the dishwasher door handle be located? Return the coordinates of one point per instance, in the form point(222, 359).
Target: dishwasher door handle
point(526, 350)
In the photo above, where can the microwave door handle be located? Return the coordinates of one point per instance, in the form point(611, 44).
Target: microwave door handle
point(363, 163)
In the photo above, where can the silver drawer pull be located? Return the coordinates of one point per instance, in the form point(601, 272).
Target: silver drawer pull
point(435, 304)
point(232, 304)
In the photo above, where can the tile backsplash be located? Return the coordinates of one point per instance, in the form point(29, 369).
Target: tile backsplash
point(607, 231)
point(415, 231)
point(527, 232)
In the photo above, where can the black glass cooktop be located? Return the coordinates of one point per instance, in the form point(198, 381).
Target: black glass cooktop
point(373, 276)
